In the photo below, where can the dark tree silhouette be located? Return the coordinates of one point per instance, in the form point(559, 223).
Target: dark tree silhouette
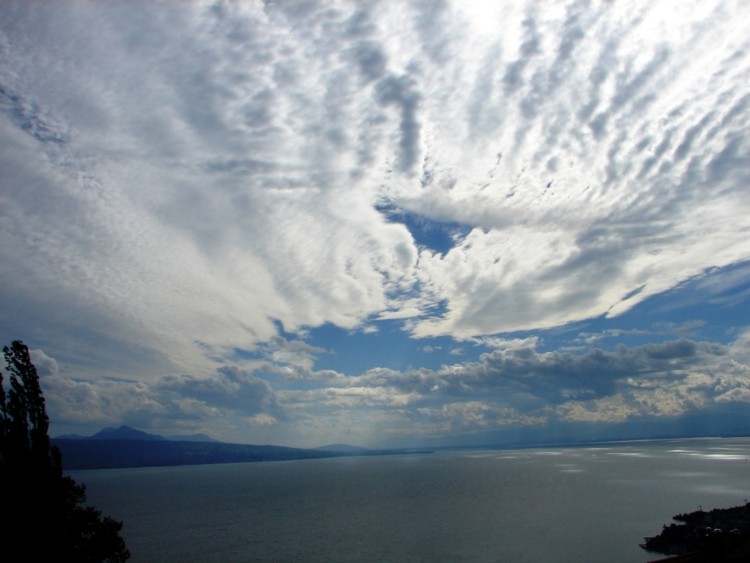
point(41, 513)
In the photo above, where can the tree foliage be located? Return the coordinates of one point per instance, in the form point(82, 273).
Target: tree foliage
point(42, 517)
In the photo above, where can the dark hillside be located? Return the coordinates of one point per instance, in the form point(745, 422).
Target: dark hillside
point(108, 454)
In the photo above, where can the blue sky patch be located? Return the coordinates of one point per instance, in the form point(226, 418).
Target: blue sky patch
point(438, 236)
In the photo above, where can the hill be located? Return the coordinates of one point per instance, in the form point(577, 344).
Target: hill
point(125, 433)
point(344, 448)
point(127, 447)
point(115, 453)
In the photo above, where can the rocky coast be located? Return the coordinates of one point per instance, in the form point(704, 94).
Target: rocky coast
point(721, 534)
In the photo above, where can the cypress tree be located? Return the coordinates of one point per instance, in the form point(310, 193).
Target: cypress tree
point(41, 512)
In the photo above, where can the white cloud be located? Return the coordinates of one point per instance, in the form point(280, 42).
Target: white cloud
point(607, 409)
point(508, 343)
point(45, 366)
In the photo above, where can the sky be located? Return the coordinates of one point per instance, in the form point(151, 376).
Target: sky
point(387, 223)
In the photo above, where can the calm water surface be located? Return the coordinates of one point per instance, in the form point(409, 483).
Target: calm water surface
point(592, 504)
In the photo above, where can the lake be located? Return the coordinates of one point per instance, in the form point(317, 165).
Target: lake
point(558, 504)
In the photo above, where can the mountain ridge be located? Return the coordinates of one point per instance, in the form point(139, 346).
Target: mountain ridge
point(124, 447)
point(125, 432)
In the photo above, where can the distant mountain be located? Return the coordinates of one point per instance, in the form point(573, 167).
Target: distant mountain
point(129, 433)
point(109, 454)
point(125, 433)
point(127, 447)
point(344, 448)
point(191, 438)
